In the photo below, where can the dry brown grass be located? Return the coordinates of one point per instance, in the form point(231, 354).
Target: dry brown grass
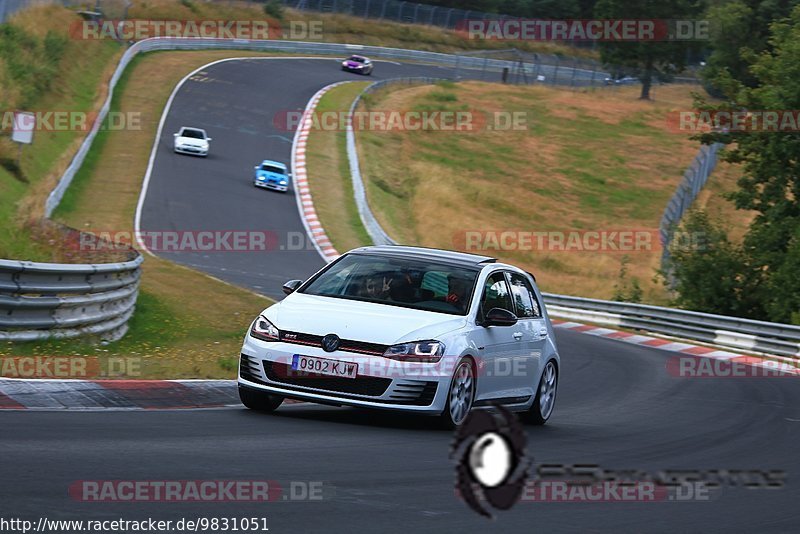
point(712, 200)
point(346, 29)
point(590, 161)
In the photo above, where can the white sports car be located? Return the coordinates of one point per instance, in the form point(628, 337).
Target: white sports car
point(192, 141)
point(404, 328)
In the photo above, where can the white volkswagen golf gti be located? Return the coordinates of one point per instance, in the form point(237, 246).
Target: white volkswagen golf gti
point(404, 328)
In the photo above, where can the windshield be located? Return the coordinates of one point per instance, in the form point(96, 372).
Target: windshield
point(273, 168)
point(409, 283)
point(356, 59)
point(194, 134)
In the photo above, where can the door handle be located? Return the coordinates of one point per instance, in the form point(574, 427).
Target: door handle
point(543, 332)
point(517, 335)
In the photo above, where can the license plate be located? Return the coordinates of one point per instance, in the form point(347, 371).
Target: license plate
point(324, 366)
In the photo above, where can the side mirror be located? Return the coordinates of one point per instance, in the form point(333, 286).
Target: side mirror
point(290, 286)
point(208, 139)
point(500, 317)
point(256, 167)
point(175, 135)
point(289, 175)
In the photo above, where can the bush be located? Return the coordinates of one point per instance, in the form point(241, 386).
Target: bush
point(274, 9)
point(30, 64)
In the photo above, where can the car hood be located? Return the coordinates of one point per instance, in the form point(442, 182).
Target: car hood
point(359, 321)
point(271, 175)
point(352, 64)
point(191, 141)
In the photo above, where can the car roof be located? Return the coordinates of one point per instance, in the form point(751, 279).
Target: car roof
point(358, 56)
point(459, 258)
point(275, 163)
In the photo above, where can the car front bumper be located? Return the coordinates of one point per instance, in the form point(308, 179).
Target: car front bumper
point(195, 151)
point(380, 382)
point(271, 185)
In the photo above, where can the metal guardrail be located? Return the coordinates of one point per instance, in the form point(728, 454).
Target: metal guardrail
point(55, 300)
point(733, 332)
point(371, 224)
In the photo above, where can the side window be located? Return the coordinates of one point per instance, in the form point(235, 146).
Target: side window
point(524, 297)
point(495, 294)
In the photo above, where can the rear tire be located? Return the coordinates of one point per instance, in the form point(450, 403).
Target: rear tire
point(258, 401)
point(460, 395)
point(545, 401)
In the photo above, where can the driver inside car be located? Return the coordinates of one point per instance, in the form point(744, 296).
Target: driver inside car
point(457, 292)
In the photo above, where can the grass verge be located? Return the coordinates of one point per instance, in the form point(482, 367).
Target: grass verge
point(328, 171)
point(591, 161)
point(167, 338)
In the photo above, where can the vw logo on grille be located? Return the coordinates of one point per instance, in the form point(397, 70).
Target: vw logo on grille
point(330, 342)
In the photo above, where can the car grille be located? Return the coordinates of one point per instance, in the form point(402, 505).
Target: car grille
point(347, 345)
point(282, 373)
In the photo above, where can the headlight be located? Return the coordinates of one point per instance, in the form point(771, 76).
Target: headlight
point(264, 330)
point(430, 351)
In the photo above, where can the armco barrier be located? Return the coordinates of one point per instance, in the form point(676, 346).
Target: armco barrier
point(371, 224)
point(734, 332)
point(55, 300)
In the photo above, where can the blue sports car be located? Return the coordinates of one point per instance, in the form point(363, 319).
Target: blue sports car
point(272, 175)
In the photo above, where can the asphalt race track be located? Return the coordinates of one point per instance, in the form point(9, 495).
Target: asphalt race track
point(389, 473)
point(617, 407)
point(239, 103)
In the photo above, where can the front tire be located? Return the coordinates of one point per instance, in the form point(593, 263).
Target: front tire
point(259, 401)
point(542, 407)
point(460, 395)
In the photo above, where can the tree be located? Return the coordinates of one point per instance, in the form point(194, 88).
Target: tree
point(647, 60)
point(711, 274)
point(767, 264)
point(740, 25)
